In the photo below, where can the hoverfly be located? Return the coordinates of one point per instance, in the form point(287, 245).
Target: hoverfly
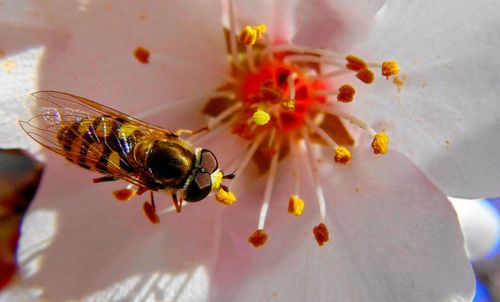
point(104, 140)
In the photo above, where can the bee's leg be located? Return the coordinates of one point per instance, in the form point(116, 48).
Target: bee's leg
point(150, 210)
point(177, 203)
point(105, 178)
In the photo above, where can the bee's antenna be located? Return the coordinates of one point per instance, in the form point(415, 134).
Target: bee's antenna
point(229, 176)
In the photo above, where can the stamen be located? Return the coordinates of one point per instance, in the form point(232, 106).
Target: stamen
point(311, 58)
point(365, 75)
point(321, 234)
point(302, 49)
point(269, 187)
point(260, 117)
point(380, 143)
point(250, 34)
point(250, 59)
point(390, 68)
point(350, 118)
point(296, 167)
point(354, 63)
point(342, 155)
point(295, 205)
point(346, 93)
point(223, 115)
point(319, 191)
point(330, 74)
point(232, 34)
point(258, 238)
point(124, 194)
point(322, 133)
point(248, 156)
point(288, 104)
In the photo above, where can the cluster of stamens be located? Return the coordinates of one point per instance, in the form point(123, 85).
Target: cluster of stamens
point(280, 99)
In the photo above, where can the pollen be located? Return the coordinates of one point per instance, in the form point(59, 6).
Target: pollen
point(216, 179)
point(260, 117)
point(288, 105)
point(380, 143)
point(346, 93)
point(321, 234)
point(225, 197)
point(390, 68)
point(250, 34)
point(124, 194)
point(150, 212)
point(354, 63)
point(295, 205)
point(258, 238)
point(342, 155)
point(365, 75)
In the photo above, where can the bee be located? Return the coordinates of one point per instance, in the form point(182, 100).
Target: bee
point(104, 140)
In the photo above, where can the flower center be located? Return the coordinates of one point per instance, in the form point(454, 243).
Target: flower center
point(283, 99)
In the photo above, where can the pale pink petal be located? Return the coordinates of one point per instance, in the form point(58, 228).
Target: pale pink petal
point(78, 242)
point(446, 116)
point(335, 24)
point(91, 53)
point(278, 16)
point(394, 237)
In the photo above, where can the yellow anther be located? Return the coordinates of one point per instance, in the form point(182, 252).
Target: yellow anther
point(355, 63)
point(342, 155)
point(346, 93)
point(226, 197)
point(288, 104)
point(390, 68)
point(321, 234)
point(258, 238)
point(295, 205)
point(380, 143)
point(250, 34)
point(260, 117)
point(365, 75)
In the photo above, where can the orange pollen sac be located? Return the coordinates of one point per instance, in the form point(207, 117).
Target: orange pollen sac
point(366, 75)
point(346, 93)
point(150, 212)
point(380, 143)
point(258, 238)
point(124, 194)
point(390, 68)
point(354, 63)
point(321, 234)
point(342, 155)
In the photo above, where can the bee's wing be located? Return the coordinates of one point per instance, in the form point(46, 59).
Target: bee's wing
point(52, 110)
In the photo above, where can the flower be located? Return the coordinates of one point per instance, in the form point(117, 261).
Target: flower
point(393, 234)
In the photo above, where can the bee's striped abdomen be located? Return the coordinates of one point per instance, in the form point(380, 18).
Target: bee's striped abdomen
point(98, 143)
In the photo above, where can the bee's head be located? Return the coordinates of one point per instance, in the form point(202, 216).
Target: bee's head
point(206, 176)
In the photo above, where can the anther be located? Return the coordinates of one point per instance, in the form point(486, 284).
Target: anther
point(380, 143)
point(150, 212)
point(295, 205)
point(390, 68)
point(365, 75)
point(260, 117)
point(124, 194)
point(288, 104)
point(342, 155)
point(354, 63)
point(250, 34)
point(225, 197)
point(346, 93)
point(258, 238)
point(321, 234)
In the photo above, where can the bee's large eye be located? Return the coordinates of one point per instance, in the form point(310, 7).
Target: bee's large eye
point(208, 161)
point(199, 188)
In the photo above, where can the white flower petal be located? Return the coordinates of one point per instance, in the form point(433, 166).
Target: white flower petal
point(91, 53)
point(333, 23)
point(96, 246)
point(446, 116)
point(393, 237)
